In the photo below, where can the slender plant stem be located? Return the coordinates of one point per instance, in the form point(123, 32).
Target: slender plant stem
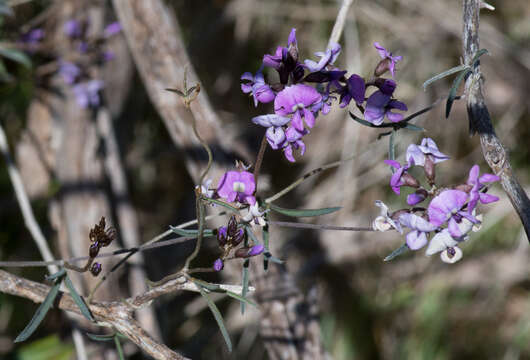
point(200, 216)
point(259, 158)
point(340, 22)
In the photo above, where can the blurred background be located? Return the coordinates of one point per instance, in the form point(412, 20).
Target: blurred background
point(141, 175)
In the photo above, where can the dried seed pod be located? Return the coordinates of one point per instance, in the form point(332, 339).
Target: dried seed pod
point(429, 169)
point(93, 250)
point(238, 238)
point(232, 226)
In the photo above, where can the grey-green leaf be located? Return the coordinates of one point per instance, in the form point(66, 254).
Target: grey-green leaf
point(40, 314)
point(478, 55)
point(96, 337)
point(15, 55)
point(452, 92)
point(362, 121)
point(413, 127)
point(78, 299)
point(392, 146)
point(58, 274)
point(304, 212)
point(240, 298)
point(451, 71)
point(218, 318)
point(118, 347)
point(191, 233)
point(222, 203)
point(400, 250)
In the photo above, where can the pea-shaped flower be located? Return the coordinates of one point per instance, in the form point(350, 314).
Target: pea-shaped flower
point(237, 186)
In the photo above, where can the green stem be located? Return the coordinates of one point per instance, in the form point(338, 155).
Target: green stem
point(200, 216)
point(259, 159)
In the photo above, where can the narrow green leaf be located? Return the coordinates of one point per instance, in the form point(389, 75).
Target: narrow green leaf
point(478, 55)
point(218, 318)
point(269, 257)
point(452, 92)
point(304, 212)
point(208, 286)
point(40, 313)
point(191, 233)
point(251, 234)
point(441, 75)
point(400, 250)
point(413, 127)
point(392, 146)
point(118, 348)
point(57, 275)
point(180, 93)
point(15, 55)
point(381, 135)
point(244, 284)
point(222, 203)
point(78, 299)
point(362, 121)
point(96, 337)
point(240, 298)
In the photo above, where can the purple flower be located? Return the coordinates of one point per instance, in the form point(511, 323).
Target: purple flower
point(417, 238)
point(326, 58)
point(112, 29)
point(293, 142)
point(477, 184)
point(324, 105)
point(72, 28)
point(87, 93)
point(69, 71)
point(246, 252)
point(417, 197)
point(427, 148)
point(285, 60)
point(400, 176)
point(354, 89)
point(33, 36)
point(256, 250)
point(218, 265)
point(388, 62)
point(384, 221)
point(257, 87)
point(237, 186)
point(448, 207)
point(380, 105)
point(297, 100)
point(275, 134)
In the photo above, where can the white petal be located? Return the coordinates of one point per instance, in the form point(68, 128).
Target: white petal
point(451, 260)
point(440, 242)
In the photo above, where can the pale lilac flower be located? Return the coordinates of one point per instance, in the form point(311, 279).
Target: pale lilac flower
point(477, 183)
point(33, 36)
point(72, 28)
point(326, 58)
point(275, 134)
point(447, 207)
point(112, 29)
point(218, 265)
point(384, 221)
point(400, 176)
point(205, 189)
point(354, 89)
point(380, 105)
point(427, 148)
point(254, 215)
point(417, 237)
point(87, 93)
point(261, 92)
point(443, 242)
point(293, 142)
point(297, 100)
point(69, 71)
point(237, 186)
point(389, 60)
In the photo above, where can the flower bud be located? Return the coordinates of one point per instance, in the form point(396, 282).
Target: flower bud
point(428, 167)
point(417, 197)
point(232, 226)
point(410, 180)
point(93, 250)
point(222, 236)
point(236, 240)
point(95, 269)
point(218, 265)
point(464, 187)
point(246, 252)
point(382, 67)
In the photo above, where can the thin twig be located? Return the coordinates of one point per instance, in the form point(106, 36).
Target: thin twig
point(340, 22)
point(25, 206)
point(259, 159)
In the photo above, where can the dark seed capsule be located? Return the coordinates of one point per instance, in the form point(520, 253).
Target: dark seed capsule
point(95, 269)
point(429, 169)
point(238, 238)
point(232, 226)
point(243, 252)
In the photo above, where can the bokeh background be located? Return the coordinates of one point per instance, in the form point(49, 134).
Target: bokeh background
point(414, 307)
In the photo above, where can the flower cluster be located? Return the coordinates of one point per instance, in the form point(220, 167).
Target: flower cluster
point(99, 237)
point(297, 103)
point(75, 72)
point(229, 237)
point(452, 212)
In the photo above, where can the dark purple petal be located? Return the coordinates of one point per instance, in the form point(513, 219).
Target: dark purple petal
point(218, 265)
point(256, 250)
point(375, 107)
point(394, 117)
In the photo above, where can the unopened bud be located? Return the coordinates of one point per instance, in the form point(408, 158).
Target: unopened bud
point(218, 265)
point(222, 236)
point(417, 197)
point(382, 67)
point(410, 180)
point(93, 250)
point(464, 187)
point(428, 167)
point(95, 269)
point(236, 240)
point(232, 226)
point(246, 252)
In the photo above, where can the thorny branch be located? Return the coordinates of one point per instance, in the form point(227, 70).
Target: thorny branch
point(480, 121)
